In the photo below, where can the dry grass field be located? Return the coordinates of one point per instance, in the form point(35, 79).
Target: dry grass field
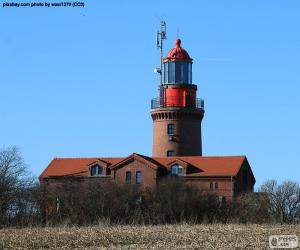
point(180, 236)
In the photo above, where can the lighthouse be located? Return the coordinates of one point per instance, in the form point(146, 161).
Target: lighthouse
point(177, 113)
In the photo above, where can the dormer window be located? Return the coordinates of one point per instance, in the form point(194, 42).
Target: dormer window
point(96, 170)
point(177, 170)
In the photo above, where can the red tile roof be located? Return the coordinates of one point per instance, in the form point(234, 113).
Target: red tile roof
point(73, 166)
point(209, 165)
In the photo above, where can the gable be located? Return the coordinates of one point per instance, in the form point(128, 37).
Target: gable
point(136, 157)
point(245, 172)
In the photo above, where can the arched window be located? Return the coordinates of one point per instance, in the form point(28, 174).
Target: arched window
point(177, 170)
point(96, 170)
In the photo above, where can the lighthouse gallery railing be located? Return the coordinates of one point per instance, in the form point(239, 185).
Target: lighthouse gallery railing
point(160, 103)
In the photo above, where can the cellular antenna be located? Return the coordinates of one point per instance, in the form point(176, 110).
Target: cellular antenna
point(160, 37)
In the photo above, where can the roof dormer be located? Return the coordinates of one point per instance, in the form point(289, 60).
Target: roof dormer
point(99, 168)
point(180, 167)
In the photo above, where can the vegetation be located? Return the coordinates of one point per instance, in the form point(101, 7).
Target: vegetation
point(18, 203)
point(171, 202)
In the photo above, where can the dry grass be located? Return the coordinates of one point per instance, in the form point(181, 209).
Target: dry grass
point(180, 236)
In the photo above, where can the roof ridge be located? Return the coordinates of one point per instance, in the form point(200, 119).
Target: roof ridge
point(217, 156)
point(198, 156)
point(63, 158)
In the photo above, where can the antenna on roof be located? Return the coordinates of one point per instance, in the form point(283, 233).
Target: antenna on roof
point(160, 36)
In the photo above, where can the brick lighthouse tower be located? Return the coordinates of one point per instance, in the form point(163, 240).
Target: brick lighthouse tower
point(177, 113)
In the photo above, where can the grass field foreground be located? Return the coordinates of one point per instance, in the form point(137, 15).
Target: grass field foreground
point(180, 236)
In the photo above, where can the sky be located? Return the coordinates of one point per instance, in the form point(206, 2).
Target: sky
point(77, 82)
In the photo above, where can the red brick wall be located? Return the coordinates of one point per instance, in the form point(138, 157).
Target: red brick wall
point(148, 174)
point(187, 138)
point(224, 189)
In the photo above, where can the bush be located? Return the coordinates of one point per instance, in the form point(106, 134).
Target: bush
point(172, 201)
point(253, 208)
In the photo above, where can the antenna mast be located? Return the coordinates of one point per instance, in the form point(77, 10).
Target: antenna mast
point(160, 36)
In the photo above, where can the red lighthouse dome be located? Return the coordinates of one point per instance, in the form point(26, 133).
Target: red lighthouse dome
point(178, 53)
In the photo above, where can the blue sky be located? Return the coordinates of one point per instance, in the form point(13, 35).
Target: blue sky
point(78, 82)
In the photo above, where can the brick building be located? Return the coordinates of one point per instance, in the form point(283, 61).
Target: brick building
point(177, 143)
point(225, 176)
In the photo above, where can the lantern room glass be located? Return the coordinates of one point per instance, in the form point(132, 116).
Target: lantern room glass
point(178, 72)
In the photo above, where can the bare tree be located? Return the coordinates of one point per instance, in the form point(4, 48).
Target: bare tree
point(284, 199)
point(14, 179)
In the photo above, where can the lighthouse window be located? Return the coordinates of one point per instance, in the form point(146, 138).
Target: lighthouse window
point(165, 72)
point(190, 73)
point(185, 72)
point(170, 153)
point(178, 72)
point(171, 72)
point(171, 129)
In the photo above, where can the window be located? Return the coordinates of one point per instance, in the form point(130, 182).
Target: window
point(190, 73)
point(165, 72)
point(171, 72)
point(211, 185)
point(128, 177)
point(170, 153)
point(171, 129)
point(176, 170)
point(178, 72)
point(216, 185)
point(96, 170)
point(185, 67)
point(138, 177)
